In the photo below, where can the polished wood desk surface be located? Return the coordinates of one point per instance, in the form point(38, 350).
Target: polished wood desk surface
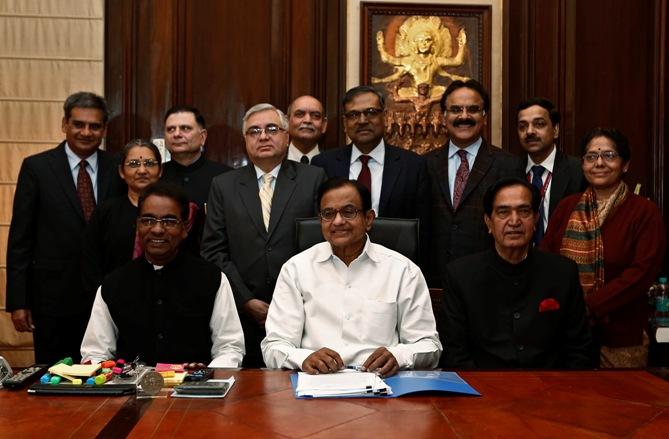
point(589, 404)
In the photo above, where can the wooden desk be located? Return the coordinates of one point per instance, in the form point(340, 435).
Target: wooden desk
point(261, 404)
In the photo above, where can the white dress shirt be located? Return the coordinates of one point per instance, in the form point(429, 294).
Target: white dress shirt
point(92, 168)
point(377, 156)
point(381, 299)
point(548, 164)
point(227, 338)
point(454, 161)
point(295, 154)
point(274, 172)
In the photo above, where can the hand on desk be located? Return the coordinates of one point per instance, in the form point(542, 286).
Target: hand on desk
point(23, 320)
point(382, 362)
point(324, 360)
point(257, 309)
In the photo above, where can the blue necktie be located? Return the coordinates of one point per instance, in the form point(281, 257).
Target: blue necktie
point(537, 172)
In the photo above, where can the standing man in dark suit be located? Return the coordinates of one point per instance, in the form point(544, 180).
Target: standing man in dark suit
point(307, 123)
point(250, 228)
point(397, 178)
point(460, 172)
point(185, 136)
point(56, 193)
point(554, 173)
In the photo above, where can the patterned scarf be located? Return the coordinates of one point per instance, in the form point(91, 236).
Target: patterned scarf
point(582, 240)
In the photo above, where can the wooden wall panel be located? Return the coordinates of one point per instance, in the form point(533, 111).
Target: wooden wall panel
point(222, 57)
point(601, 61)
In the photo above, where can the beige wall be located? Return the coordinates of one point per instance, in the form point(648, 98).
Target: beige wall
point(48, 50)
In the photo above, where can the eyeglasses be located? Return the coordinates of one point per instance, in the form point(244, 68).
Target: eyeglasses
point(471, 109)
point(271, 130)
point(608, 156)
point(347, 212)
point(150, 221)
point(369, 113)
point(148, 163)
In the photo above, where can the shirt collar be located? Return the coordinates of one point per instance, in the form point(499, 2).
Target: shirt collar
point(295, 154)
point(378, 153)
point(472, 149)
point(74, 159)
point(324, 252)
point(274, 172)
point(549, 163)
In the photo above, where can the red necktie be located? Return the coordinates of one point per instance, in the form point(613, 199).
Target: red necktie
point(460, 178)
point(365, 176)
point(85, 191)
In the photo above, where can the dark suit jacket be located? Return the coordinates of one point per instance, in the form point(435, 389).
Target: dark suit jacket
point(528, 315)
point(567, 178)
point(459, 233)
point(234, 236)
point(46, 233)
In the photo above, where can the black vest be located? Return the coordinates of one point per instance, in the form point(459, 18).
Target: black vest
point(163, 315)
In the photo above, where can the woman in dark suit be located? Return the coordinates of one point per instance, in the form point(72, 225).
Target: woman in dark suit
point(109, 240)
point(617, 239)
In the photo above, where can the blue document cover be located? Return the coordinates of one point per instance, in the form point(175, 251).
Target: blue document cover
point(413, 381)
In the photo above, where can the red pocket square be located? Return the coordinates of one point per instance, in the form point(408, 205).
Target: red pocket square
point(549, 305)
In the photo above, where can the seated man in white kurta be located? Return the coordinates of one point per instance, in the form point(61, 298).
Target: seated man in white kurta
point(349, 302)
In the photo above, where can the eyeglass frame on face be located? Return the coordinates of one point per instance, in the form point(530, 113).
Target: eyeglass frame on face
point(347, 213)
point(136, 163)
point(271, 130)
point(169, 222)
point(369, 113)
point(460, 109)
point(607, 156)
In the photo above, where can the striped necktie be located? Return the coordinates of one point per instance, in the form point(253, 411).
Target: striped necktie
point(266, 193)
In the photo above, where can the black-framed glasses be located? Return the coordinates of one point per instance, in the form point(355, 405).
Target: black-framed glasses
point(347, 212)
point(136, 163)
point(150, 221)
point(459, 109)
point(271, 130)
point(369, 113)
point(607, 156)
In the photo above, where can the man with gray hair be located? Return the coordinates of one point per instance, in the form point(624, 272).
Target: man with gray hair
point(250, 228)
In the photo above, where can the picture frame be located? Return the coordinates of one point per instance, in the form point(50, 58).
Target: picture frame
point(412, 115)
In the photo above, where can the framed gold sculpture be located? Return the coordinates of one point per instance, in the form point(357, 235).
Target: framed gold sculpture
point(412, 52)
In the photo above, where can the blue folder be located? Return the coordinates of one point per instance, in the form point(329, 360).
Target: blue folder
point(413, 381)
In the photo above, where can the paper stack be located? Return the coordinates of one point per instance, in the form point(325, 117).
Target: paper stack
point(341, 384)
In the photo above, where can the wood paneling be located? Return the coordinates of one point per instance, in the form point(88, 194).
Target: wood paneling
point(603, 62)
point(222, 57)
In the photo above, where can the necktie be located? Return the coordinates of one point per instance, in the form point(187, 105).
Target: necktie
point(365, 176)
point(85, 191)
point(266, 193)
point(460, 178)
point(304, 160)
point(537, 173)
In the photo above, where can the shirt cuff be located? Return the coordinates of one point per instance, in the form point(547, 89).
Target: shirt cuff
point(296, 358)
point(403, 355)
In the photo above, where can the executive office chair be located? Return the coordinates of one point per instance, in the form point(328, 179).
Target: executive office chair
point(397, 234)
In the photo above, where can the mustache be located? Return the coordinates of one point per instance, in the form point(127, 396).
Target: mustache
point(464, 122)
point(307, 125)
point(531, 138)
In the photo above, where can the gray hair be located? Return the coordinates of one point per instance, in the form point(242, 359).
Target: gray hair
point(283, 120)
